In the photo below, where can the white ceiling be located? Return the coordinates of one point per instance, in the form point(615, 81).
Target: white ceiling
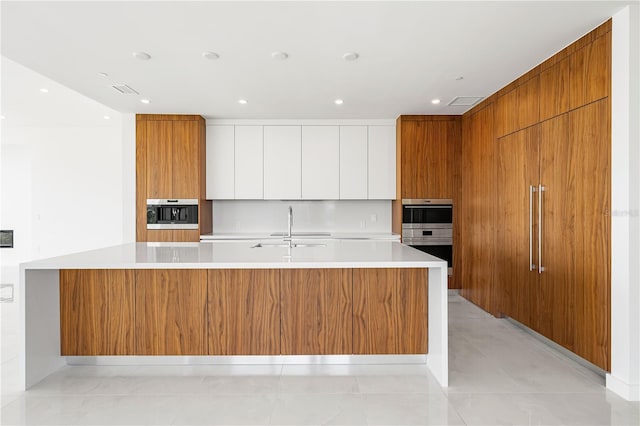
point(410, 52)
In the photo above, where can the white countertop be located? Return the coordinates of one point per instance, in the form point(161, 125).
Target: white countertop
point(327, 235)
point(228, 255)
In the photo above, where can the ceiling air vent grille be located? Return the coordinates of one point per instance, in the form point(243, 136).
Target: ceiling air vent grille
point(125, 90)
point(465, 100)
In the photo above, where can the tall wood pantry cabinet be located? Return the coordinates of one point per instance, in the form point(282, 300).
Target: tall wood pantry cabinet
point(170, 163)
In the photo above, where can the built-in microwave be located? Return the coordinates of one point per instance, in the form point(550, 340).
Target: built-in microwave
point(167, 213)
point(427, 225)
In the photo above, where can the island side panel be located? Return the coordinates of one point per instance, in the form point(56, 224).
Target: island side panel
point(316, 311)
point(96, 312)
point(171, 311)
point(41, 297)
point(438, 358)
point(243, 308)
point(390, 311)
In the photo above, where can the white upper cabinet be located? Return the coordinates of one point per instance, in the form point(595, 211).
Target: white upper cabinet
point(220, 159)
point(320, 163)
point(353, 162)
point(282, 163)
point(249, 163)
point(382, 162)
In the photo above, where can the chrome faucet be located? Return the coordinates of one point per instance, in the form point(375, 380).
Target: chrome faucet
point(290, 225)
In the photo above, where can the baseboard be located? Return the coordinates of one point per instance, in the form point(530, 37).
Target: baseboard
point(630, 392)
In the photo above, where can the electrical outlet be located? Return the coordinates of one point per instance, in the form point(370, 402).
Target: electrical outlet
point(374, 218)
point(363, 224)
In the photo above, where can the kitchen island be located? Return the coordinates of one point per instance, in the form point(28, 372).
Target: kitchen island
point(192, 303)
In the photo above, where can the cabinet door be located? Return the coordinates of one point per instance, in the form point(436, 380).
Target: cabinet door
point(220, 162)
point(282, 163)
point(517, 166)
point(159, 135)
point(382, 162)
point(556, 291)
point(320, 162)
point(554, 90)
point(249, 163)
point(244, 312)
point(589, 132)
point(316, 311)
point(390, 311)
point(518, 108)
point(185, 166)
point(171, 312)
point(353, 162)
point(590, 72)
point(96, 312)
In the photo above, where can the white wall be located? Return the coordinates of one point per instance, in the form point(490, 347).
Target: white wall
point(67, 182)
point(327, 216)
point(624, 378)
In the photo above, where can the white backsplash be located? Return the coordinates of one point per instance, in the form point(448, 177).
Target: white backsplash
point(327, 216)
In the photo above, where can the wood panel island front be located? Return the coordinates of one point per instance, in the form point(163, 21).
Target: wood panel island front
point(204, 303)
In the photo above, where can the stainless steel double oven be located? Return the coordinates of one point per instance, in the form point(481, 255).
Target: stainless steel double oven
point(427, 225)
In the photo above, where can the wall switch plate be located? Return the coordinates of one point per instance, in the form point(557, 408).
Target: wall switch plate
point(6, 293)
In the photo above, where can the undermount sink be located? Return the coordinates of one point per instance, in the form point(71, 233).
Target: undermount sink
point(302, 234)
point(262, 245)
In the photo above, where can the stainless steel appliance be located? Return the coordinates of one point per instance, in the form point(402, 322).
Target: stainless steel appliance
point(169, 213)
point(427, 225)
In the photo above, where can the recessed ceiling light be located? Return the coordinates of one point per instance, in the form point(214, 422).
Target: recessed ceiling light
point(103, 74)
point(242, 101)
point(210, 55)
point(280, 56)
point(338, 102)
point(435, 101)
point(350, 56)
point(143, 56)
point(145, 101)
point(106, 117)
point(43, 90)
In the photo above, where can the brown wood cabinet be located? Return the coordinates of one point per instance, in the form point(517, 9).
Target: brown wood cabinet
point(389, 311)
point(428, 156)
point(567, 150)
point(244, 312)
point(171, 312)
point(478, 206)
point(316, 311)
point(170, 163)
point(96, 312)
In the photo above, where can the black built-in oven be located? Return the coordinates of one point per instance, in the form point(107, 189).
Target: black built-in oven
point(427, 225)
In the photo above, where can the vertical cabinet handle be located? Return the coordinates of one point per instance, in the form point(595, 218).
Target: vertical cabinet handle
point(532, 189)
point(540, 191)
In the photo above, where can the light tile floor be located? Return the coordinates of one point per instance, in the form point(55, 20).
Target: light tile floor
point(498, 375)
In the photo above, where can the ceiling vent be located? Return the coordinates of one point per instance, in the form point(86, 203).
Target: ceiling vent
point(125, 90)
point(465, 100)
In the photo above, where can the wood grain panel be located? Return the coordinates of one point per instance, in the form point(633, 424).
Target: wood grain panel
point(159, 159)
point(518, 108)
point(316, 311)
point(556, 317)
point(96, 312)
point(390, 311)
point(185, 167)
point(456, 281)
point(427, 153)
point(478, 204)
point(554, 90)
point(517, 167)
point(244, 312)
point(590, 72)
point(171, 312)
point(591, 132)
point(141, 181)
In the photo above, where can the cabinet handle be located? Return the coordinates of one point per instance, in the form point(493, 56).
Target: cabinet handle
point(541, 189)
point(532, 189)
